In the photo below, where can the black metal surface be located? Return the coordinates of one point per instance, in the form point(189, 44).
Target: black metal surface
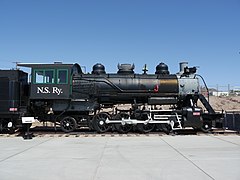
point(86, 97)
point(206, 104)
point(114, 88)
point(13, 99)
point(162, 100)
point(12, 92)
point(232, 121)
point(162, 68)
point(98, 69)
point(4, 94)
point(125, 69)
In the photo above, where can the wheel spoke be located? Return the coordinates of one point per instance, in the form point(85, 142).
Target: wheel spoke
point(164, 127)
point(145, 128)
point(122, 128)
point(68, 124)
point(99, 122)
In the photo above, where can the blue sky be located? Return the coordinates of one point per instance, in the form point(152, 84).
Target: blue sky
point(206, 33)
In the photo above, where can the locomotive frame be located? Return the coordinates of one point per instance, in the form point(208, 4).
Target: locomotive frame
point(63, 94)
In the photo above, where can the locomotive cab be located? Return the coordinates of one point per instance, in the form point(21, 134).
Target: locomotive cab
point(50, 81)
point(51, 98)
point(50, 89)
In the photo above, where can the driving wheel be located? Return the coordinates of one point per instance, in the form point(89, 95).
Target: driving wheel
point(122, 128)
point(99, 122)
point(68, 124)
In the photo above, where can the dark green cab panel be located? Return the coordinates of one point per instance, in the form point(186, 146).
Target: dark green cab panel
point(50, 82)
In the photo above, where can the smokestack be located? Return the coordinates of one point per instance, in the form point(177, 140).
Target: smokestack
point(182, 66)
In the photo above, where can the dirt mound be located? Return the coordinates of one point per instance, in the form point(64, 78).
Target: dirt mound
point(231, 103)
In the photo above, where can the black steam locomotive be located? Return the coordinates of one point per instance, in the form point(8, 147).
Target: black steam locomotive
point(123, 101)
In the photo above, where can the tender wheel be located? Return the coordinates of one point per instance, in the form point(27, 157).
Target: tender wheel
point(68, 124)
point(122, 128)
point(12, 130)
point(5, 128)
point(145, 128)
point(99, 122)
point(206, 127)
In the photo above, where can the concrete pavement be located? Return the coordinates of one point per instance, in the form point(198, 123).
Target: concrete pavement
point(106, 158)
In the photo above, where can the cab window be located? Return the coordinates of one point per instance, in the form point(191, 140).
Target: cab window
point(45, 76)
point(62, 75)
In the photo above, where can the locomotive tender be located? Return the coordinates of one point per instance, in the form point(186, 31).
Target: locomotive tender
point(63, 94)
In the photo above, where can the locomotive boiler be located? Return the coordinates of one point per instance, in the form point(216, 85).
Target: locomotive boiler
point(122, 101)
point(126, 87)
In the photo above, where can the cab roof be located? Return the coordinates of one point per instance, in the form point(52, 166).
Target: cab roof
point(41, 65)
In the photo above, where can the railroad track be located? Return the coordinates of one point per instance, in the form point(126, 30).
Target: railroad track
point(36, 132)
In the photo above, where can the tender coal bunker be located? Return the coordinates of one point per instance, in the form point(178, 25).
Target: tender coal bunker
point(4, 94)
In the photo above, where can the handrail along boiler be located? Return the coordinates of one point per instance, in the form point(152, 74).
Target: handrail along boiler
point(63, 94)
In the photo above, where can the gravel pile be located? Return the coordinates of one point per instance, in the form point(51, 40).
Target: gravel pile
point(231, 103)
